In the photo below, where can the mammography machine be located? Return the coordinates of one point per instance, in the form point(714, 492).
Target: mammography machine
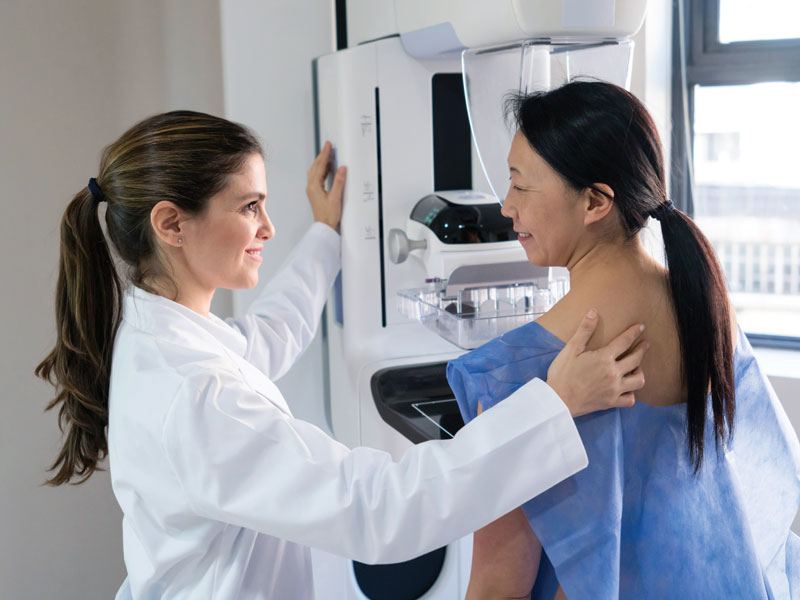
point(430, 268)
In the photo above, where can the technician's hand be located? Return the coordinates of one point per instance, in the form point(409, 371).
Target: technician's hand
point(588, 381)
point(325, 205)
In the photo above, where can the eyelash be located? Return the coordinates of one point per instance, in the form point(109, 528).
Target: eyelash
point(516, 187)
point(253, 207)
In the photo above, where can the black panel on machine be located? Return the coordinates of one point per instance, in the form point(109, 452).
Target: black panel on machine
point(417, 401)
point(400, 581)
point(452, 141)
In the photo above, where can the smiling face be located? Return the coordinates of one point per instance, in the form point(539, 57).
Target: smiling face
point(222, 247)
point(548, 215)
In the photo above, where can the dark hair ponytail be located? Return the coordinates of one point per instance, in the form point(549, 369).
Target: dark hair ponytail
point(594, 132)
point(702, 309)
point(88, 310)
point(184, 157)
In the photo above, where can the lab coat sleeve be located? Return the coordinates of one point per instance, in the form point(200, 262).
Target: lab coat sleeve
point(242, 461)
point(282, 321)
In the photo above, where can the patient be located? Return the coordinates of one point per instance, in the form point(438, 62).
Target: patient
point(690, 493)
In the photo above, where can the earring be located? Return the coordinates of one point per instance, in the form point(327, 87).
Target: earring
point(180, 240)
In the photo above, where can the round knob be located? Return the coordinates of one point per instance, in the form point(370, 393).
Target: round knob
point(400, 245)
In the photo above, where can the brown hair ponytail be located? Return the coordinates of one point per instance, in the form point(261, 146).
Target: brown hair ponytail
point(184, 157)
point(88, 310)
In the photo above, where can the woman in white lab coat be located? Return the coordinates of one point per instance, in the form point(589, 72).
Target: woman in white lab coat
point(221, 488)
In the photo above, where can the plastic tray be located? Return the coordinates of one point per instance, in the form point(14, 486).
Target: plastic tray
point(476, 315)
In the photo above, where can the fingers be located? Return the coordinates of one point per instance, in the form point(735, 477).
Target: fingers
point(628, 385)
point(632, 360)
point(620, 344)
point(632, 381)
point(338, 184)
point(586, 329)
point(625, 400)
point(321, 165)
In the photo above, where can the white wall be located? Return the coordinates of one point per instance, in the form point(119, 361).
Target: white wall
point(73, 76)
point(267, 50)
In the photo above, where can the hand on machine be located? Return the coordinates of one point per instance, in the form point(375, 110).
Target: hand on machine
point(326, 206)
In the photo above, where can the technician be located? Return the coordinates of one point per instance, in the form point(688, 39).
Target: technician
point(221, 488)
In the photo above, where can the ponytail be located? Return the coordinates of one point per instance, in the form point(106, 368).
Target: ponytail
point(702, 311)
point(88, 312)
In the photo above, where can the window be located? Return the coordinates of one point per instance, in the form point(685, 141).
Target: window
point(746, 21)
point(736, 146)
point(786, 263)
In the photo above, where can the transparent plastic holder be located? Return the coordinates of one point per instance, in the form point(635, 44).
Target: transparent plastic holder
point(490, 75)
point(473, 316)
point(432, 411)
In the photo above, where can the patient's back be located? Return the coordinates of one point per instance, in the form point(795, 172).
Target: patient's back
point(628, 294)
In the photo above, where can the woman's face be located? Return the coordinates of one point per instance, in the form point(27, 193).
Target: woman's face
point(222, 247)
point(547, 214)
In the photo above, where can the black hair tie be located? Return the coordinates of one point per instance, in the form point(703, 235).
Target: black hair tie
point(662, 211)
point(96, 191)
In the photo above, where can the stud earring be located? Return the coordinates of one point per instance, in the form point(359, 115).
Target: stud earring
point(180, 240)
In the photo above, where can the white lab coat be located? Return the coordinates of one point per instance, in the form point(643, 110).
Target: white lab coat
point(223, 491)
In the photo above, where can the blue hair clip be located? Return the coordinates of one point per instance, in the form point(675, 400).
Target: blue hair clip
point(662, 210)
point(96, 191)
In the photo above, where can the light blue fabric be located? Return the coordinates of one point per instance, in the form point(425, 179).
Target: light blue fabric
point(637, 523)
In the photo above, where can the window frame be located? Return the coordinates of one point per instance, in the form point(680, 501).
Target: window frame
point(709, 62)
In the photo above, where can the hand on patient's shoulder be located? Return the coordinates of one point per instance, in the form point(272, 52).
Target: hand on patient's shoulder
point(592, 380)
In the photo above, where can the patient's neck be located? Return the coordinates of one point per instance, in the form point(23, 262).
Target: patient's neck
point(602, 262)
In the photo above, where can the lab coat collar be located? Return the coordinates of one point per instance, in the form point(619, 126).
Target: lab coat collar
point(159, 316)
point(165, 318)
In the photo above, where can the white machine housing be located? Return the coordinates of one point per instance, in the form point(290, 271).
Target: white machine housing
point(374, 99)
point(477, 23)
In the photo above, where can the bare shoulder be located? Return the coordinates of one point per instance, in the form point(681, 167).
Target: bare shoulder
point(563, 318)
point(617, 311)
point(624, 299)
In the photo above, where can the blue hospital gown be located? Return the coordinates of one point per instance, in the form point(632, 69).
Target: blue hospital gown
point(637, 523)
